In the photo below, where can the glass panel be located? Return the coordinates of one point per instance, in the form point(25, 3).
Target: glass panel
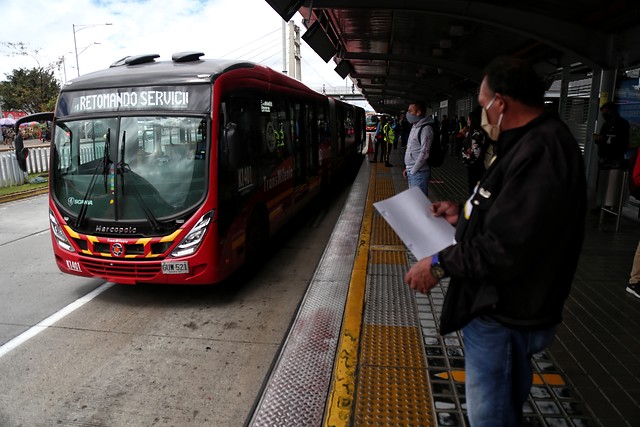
point(82, 157)
point(163, 165)
point(140, 167)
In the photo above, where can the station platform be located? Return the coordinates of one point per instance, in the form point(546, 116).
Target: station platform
point(364, 349)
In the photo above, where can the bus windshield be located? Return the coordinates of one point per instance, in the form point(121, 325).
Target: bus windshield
point(139, 168)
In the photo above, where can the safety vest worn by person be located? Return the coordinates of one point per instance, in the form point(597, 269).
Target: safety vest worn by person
point(389, 133)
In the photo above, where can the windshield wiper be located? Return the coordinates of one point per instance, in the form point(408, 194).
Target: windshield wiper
point(122, 168)
point(104, 162)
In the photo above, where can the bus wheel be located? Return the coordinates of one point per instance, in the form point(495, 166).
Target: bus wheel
point(257, 237)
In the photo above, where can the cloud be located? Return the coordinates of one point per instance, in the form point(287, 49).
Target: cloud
point(247, 29)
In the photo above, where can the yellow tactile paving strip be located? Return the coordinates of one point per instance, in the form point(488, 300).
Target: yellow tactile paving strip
point(341, 392)
point(392, 366)
point(391, 386)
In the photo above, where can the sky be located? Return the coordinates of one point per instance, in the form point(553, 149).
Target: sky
point(232, 29)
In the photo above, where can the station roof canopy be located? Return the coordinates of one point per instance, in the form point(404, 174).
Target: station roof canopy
point(434, 50)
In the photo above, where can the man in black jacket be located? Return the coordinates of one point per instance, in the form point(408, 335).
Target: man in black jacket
point(613, 139)
point(518, 241)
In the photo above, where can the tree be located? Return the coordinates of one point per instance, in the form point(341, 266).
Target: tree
point(29, 90)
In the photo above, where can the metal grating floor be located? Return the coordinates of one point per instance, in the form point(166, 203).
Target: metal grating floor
point(295, 394)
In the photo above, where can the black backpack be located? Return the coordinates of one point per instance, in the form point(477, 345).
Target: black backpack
point(438, 149)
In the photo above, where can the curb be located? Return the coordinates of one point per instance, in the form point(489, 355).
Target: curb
point(23, 195)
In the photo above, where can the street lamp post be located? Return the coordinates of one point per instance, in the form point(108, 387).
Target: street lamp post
point(76, 28)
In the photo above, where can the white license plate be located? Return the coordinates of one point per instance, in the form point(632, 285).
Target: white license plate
point(175, 267)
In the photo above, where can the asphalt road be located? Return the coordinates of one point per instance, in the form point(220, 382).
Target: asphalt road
point(142, 355)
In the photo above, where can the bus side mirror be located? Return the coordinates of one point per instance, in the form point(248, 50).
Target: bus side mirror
point(22, 152)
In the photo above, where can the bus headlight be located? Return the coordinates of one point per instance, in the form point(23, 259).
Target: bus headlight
point(192, 240)
point(61, 238)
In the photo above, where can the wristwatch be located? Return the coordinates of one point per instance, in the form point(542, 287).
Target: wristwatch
point(437, 270)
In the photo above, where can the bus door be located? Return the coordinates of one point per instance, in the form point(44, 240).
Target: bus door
point(239, 156)
point(300, 143)
point(311, 138)
point(334, 135)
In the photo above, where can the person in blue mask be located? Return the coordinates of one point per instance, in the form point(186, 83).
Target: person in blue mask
point(417, 170)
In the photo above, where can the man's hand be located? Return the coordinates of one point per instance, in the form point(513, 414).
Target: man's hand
point(420, 278)
point(448, 210)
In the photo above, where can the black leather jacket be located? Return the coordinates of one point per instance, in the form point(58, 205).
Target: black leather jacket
point(520, 235)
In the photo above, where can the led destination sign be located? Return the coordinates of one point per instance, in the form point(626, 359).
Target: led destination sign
point(172, 99)
point(196, 98)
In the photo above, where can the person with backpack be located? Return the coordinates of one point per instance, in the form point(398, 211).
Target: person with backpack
point(474, 147)
point(421, 136)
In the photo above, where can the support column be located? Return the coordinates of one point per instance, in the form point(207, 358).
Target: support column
point(590, 149)
point(602, 91)
point(564, 91)
point(295, 70)
point(284, 47)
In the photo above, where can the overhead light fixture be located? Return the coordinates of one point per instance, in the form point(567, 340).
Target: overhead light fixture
point(285, 8)
point(445, 43)
point(319, 41)
point(344, 69)
point(436, 52)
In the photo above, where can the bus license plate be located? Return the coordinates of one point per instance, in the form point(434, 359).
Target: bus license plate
point(175, 267)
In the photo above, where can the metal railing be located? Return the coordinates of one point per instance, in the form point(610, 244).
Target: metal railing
point(10, 173)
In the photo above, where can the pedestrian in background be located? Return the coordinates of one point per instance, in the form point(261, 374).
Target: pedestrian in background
point(445, 124)
point(460, 135)
point(518, 238)
point(417, 170)
point(378, 139)
point(634, 279)
point(613, 139)
point(474, 148)
point(405, 128)
point(633, 287)
point(389, 139)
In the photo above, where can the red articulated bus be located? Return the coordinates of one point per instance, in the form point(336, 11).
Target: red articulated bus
point(371, 122)
point(180, 171)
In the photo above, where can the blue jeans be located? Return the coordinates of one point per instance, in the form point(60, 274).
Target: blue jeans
point(498, 370)
point(419, 179)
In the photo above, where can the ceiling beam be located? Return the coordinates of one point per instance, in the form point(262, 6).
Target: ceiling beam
point(590, 45)
point(461, 69)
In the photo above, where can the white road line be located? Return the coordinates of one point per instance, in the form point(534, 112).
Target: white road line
point(49, 321)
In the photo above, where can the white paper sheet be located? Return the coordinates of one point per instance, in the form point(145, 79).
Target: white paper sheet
point(409, 214)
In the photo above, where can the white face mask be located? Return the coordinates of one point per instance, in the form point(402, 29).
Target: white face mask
point(413, 118)
point(493, 131)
